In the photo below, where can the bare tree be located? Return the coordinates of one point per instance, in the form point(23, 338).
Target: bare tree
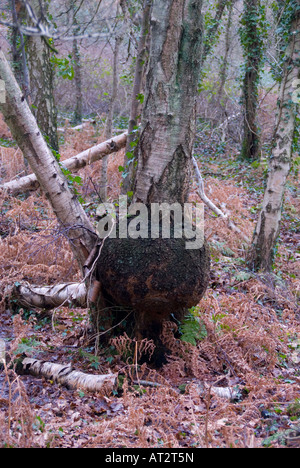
point(155, 278)
point(266, 233)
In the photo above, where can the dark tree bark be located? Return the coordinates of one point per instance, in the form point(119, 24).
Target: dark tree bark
point(42, 82)
point(252, 43)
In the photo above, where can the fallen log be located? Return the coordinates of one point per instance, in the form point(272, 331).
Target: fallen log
point(66, 376)
point(49, 297)
point(85, 158)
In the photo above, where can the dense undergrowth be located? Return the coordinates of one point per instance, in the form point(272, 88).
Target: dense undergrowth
point(233, 377)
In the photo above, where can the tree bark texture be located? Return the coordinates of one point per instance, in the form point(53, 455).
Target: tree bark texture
point(263, 250)
point(42, 83)
point(66, 207)
point(168, 119)
point(110, 116)
point(65, 375)
point(50, 297)
point(135, 108)
point(253, 51)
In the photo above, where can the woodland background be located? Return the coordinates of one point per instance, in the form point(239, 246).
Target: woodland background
point(234, 382)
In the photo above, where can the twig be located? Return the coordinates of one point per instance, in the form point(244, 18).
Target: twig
point(211, 205)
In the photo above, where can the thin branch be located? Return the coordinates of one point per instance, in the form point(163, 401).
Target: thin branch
point(211, 205)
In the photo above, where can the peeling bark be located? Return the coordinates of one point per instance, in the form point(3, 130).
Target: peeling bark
point(50, 297)
point(66, 376)
point(168, 119)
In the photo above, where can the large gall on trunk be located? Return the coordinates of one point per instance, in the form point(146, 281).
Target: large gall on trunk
point(160, 278)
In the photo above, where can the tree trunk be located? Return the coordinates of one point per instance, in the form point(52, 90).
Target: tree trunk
point(69, 212)
point(159, 277)
point(142, 280)
point(42, 82)
point(109, 120)
point(223, 68)
point(77, 69)
point(252, 44)
point(50, 297)
point(168, 120)
point(78, 83)
point(210, 38)
point(262, 252)
point(64, 375)
point(135, 109)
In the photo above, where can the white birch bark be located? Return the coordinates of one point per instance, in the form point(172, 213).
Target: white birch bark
point(50, 297)
point(168, 119)
point(63, 374)
point(85, 158)
point(66, 207)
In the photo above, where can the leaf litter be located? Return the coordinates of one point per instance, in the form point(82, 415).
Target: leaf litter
point(236, 385)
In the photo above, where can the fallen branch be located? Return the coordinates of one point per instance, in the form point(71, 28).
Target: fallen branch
point(66, 376)
point(49, 297)
point(85, 158)
point(212, 206)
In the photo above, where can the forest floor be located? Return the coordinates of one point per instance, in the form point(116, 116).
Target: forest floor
point(238, 386)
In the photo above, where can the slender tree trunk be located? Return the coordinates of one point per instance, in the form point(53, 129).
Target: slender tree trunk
point(252, 43)
point(223, 68)
point(42, 82)
point(262, 252)
point(212, 29)
point(109, 120)
point(19, 55)
point(78, 83)
point(77, 70)
point(135, 109)
point(69, 212)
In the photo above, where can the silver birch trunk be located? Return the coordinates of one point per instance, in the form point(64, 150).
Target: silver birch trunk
point(268, 225)
point(168, 119)
point(69, 212)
